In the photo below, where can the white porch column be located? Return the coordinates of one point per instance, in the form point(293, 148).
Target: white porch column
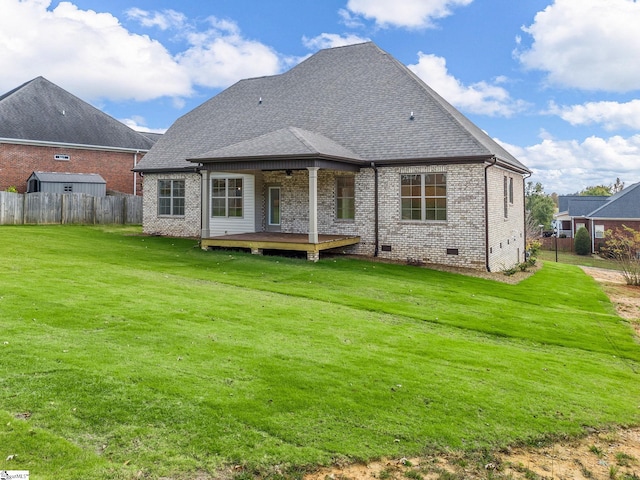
point(204, 203)
point(313, 204)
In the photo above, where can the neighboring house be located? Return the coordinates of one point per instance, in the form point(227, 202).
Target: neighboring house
point(45, 128)
point(573, 211)
point(349, 151)
point(599, 214)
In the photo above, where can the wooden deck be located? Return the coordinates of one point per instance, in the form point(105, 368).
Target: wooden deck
point(299, 242)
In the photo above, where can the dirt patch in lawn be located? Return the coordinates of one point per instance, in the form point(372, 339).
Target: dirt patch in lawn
point(601, 455)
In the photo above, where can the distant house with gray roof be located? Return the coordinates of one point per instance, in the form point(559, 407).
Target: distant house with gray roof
point(599, 213)
point(47, 129)
point(348, 151)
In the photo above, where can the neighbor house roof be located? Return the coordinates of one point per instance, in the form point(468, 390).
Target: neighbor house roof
point(580, 205)
point(40, 111)
point(356, 103)
point(63, 177)
point(624, 204)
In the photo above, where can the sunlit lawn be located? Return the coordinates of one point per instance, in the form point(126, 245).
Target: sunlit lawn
point(125, 355)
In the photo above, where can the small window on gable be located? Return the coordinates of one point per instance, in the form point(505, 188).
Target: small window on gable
point(68, 188)
point(61, 157)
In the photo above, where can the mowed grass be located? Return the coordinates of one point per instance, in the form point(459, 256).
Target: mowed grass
point(125, 356)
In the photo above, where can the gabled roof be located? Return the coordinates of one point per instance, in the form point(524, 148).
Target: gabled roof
point(287, 142)
point(63, 177)
point(40, 111)
point(357, 99)
point(580, 205)
point(624, 204)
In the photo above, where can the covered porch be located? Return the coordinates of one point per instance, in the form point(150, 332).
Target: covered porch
point(260, 241)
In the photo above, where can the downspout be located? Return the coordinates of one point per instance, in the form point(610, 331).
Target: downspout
point(135, 174)
point(486, 213)
point(375, 209)
point(524, 208)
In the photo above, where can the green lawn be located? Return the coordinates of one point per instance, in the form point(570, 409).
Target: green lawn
point(126, 356)
point(574, 259)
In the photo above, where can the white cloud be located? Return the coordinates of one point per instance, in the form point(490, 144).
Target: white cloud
point(587, 44)
point(220, 56)
point(88, 53)
point(330, 40)
point(482, 97)
point(404, 13)
point(611, 115)
point(139, 124)
point(568, 166)
point(163, 20)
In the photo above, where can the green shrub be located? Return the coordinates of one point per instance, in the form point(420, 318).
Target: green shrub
point(12, 189)
point(582, 242)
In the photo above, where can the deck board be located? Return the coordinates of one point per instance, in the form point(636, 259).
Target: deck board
point(279, 241)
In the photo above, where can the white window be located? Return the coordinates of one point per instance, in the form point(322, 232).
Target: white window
point(171, 197)
point(423, 196)
point(599, 231)
point(345, 198)
point(227, 197)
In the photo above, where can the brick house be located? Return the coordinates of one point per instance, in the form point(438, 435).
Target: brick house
point(599, 213)
point(348, 151)
point(47, 129)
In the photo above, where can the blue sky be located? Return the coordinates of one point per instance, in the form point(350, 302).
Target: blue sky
point(557, 82)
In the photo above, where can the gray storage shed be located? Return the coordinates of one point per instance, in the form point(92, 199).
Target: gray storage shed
point(58, 182)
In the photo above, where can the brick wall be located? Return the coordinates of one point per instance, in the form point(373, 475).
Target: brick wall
point(458, 241)
point(183, 226)
point(17, 162)
point(506, 234)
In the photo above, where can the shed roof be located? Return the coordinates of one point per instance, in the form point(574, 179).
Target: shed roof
point(355, 102)
point(63, 177)
point(41, 111)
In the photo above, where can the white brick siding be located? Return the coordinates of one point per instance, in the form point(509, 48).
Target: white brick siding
point(182, 226)
point(458, 241)
point(506, 235)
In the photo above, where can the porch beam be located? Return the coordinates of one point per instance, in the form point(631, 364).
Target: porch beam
point(205, 231)
point(313, 204)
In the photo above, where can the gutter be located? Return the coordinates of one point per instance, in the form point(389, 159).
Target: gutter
point(77, 146)
point(493, 161)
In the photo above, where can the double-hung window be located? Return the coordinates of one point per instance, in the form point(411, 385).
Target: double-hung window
point(345, 198)
point(423, 196)
point(171, 197)
point(226, 197)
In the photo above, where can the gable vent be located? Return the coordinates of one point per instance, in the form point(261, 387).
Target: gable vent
point(61, 157)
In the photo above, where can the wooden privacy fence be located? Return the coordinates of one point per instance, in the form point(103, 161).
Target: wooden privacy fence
point(47, 208)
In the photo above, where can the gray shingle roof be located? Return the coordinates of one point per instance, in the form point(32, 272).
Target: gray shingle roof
point(580, 205)
point(287, 142)
point(63, 177)
point(41, 111)
point(356, 98)
point(624, 204)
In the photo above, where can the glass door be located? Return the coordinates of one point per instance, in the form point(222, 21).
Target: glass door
point(273, 210)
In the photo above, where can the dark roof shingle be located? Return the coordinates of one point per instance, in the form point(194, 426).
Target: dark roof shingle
point(357, 97)
point(41, 111)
